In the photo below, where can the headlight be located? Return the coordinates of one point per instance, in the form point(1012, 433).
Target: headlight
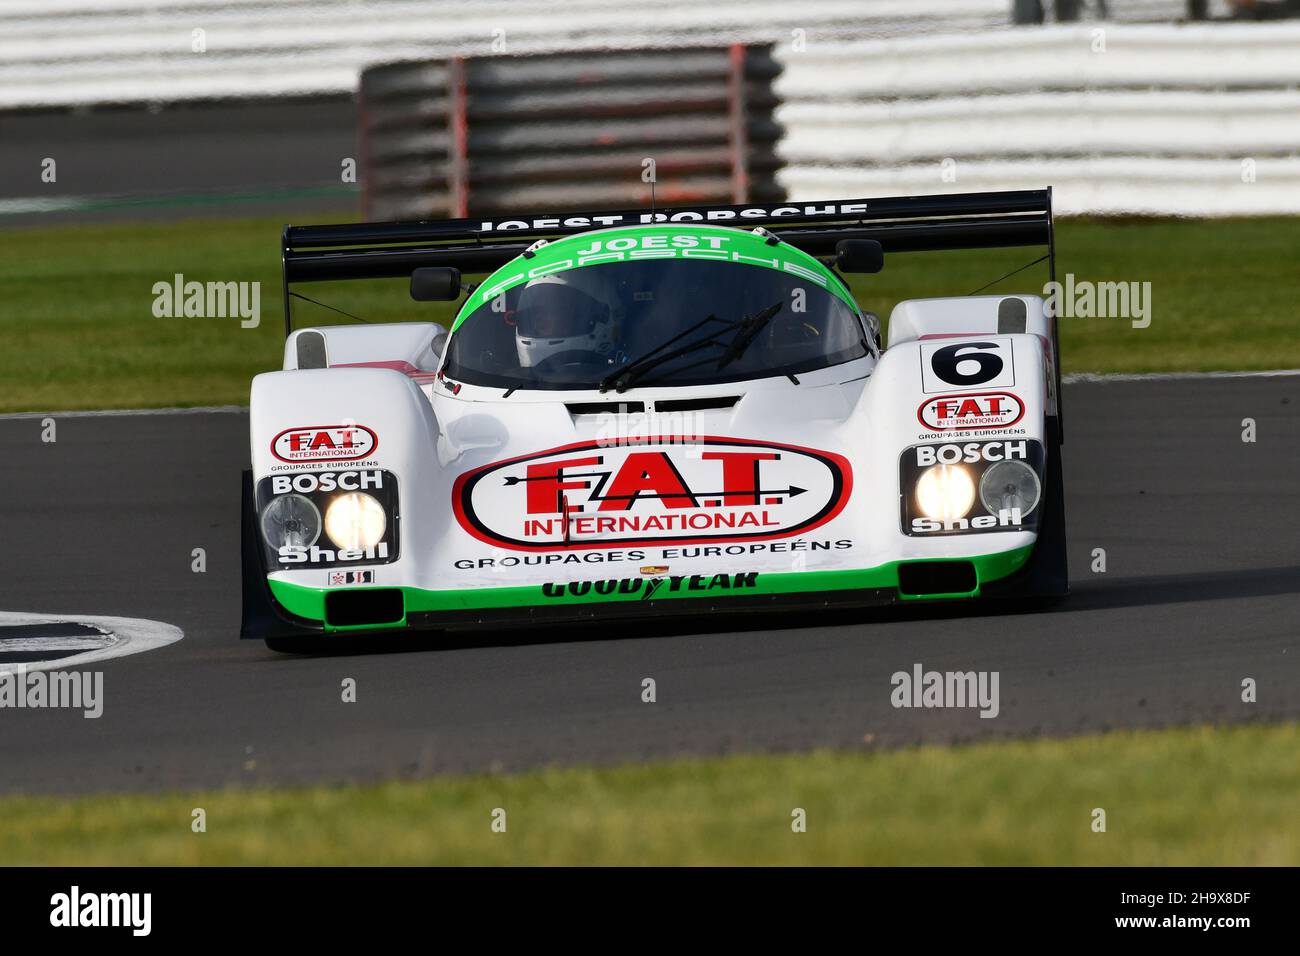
point(1009, 485)
point(292, 521)
point(945, 492)
point(355, 521)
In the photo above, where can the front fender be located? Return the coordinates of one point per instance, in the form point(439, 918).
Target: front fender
point(924, 394)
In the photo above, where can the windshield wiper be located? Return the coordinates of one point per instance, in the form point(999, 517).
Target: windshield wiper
point(747, 328)
point(630, 372)
point(750, 326)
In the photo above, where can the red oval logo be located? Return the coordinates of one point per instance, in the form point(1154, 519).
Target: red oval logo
point(947, 413)
point(652, 491)
point(324, 443)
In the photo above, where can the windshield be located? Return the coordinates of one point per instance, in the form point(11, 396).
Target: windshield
point(672, 322)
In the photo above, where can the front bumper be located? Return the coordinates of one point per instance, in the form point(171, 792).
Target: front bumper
point(278, 609)
point(285, 609)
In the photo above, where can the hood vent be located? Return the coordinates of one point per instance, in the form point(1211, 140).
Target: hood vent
point(604, 408)
point(696, 404)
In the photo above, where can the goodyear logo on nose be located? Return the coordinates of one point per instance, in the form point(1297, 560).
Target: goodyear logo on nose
point(654, 587)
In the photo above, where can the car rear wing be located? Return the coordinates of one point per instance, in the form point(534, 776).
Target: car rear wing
point(377, 250)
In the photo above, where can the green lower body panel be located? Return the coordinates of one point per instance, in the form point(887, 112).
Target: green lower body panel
point(585, 600)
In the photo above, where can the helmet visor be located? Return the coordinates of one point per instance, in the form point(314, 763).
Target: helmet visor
point(558, 312)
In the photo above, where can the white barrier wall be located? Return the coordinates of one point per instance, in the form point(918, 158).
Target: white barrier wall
point(879, 96)
point(73, 52)
point(1118, 118)
point(84, 51)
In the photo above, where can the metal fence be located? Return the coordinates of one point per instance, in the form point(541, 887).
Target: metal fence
point(562, 131)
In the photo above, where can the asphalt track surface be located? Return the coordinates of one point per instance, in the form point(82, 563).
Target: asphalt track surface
point(181, 160)
point(1202, 589)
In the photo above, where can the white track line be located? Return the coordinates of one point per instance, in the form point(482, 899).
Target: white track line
point(115, 412)
point(1103, 378)
point(133, 636)
point(9, 644)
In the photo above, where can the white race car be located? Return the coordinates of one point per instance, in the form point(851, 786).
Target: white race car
point(636, 414)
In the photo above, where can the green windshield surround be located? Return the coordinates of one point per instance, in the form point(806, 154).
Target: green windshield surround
point(712, 243)
point(309, 602)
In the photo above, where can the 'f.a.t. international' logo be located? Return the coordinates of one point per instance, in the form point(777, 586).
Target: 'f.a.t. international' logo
point(657, 490)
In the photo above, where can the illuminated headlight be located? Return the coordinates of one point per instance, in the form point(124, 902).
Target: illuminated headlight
point(945, 492)
point(1009, 485)
point(355, 521)
point(290, 521)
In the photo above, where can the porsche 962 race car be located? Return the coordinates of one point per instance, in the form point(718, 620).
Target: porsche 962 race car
point(637, 414)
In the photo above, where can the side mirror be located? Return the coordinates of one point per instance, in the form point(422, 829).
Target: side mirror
point(435, 284)
point(859, 255)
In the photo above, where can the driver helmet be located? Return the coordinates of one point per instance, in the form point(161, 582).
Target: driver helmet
point(563, 312)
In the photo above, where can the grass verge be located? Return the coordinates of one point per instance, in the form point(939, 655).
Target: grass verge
point(77, 323)
point(1194, 796)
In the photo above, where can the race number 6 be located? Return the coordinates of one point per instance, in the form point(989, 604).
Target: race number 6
point(966, 365)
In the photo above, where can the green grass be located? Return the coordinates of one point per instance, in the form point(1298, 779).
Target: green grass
point(1198, 796)
point(78, 330)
